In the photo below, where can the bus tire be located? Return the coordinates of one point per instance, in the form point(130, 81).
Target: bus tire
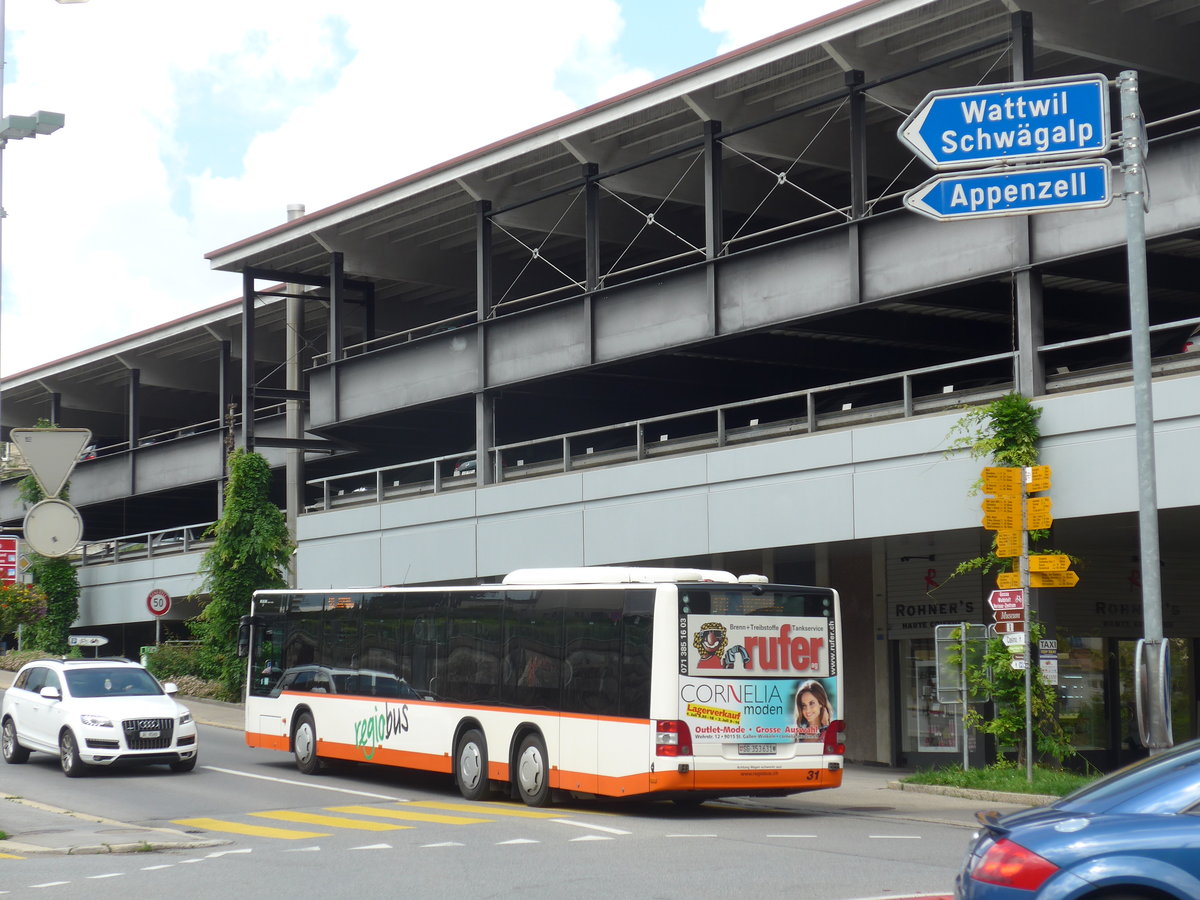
point(471, 765)
point(304, 745)
point(533, 769)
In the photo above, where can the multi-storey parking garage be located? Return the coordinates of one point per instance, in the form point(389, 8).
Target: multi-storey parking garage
point(696, 324)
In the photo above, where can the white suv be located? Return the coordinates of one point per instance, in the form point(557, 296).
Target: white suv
point(95, 712)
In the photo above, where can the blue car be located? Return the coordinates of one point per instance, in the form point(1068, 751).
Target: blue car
point(1132, 835)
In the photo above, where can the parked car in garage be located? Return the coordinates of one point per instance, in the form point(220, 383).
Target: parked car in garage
point(1132, 835)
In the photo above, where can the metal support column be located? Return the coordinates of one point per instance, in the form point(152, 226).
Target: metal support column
point(858, 179)
point(591, 216)
point(713, 218)
point(134, 425)
point(484, 425)
point(337, 318)
point(294, 409)
point(248, 297)
point(56, 408)
point(225, 426)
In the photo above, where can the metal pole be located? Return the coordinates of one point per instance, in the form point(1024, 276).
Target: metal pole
point(3, 143)
point(1133, 159)
point(1024, 563)
point(294, 494)
point(963, 685)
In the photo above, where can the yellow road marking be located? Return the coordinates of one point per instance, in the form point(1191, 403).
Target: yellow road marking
point(285, 815)
point(286, 834)
point(494, 810)
point(10, 856)
point(412, 816)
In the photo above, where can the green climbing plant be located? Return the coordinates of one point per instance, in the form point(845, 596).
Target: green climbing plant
point(250, 551)
point(1006, 432)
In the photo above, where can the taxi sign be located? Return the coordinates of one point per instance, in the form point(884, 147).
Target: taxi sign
point(1053, 579)
point(1051, 562)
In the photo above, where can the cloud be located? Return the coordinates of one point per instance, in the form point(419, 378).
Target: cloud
point(742, 22)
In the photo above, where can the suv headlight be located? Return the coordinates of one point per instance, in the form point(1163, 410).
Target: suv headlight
point(185, 718)
point(96, 721)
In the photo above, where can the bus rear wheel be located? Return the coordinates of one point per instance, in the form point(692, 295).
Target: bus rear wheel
point(471, 765)
point(532, 771)
point(304, 745)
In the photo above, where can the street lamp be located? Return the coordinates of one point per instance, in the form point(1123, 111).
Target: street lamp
point(14, 128)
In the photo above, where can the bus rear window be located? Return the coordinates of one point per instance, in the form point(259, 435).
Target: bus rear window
point(739, 601)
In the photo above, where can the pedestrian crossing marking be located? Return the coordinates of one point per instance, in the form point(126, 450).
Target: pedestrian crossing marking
point(405, 814)
point(493, 810)
point(287, 834)
point(303, 818)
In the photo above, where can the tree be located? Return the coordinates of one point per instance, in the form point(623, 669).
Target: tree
point(250, 551)
point(20, 605)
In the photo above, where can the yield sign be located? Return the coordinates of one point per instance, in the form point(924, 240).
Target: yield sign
point(51, 453)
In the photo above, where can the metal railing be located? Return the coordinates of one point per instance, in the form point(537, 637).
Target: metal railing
point(146, 545)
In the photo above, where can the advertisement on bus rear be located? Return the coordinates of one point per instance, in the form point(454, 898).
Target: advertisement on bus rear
point(757, 679)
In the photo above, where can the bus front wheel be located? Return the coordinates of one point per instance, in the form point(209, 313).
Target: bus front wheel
point(532, 771)
point(304, 745)
point(471, 765)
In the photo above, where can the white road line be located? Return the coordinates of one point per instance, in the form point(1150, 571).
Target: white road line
point(302, 850)
point(108, 875)
point(307, 784)
point(594, 827)
point(156, 868)
point(219, 853)
point(373, 847)
point(50, 884)
point(444, 844)
point(517, 841)
point(591, 837)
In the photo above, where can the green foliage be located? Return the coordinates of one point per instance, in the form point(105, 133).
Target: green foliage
point(994, 676)
point(1006, 777)
point(20, 604)
point(250, 551)
point(170, 661)
point(56, 578)
point(1005, 430)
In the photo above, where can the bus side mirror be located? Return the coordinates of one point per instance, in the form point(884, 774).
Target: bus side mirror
point(245, 623)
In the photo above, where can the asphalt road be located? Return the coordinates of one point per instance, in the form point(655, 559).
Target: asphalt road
point(247, 818)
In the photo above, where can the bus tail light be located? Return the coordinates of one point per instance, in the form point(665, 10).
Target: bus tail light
point(672, 738)
point(833, 746)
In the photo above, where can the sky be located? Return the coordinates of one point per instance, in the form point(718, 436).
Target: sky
point(190, 126)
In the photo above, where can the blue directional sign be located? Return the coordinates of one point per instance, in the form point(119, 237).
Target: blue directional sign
point(1026, 121)
point(1013, 191)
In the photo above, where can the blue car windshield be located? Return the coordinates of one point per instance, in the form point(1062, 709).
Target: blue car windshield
point(114, 682)
point(1167, 783)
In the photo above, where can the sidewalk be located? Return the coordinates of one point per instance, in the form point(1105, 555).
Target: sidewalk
point(35, 828)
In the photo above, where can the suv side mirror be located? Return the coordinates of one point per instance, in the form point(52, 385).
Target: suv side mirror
point(51, 693)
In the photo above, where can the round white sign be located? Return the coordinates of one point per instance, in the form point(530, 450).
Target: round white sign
point(53, 527)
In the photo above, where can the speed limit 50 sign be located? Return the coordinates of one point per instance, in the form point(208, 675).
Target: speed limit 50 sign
point(158, 602)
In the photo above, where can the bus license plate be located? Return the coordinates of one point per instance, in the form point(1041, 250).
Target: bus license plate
point(756, 749)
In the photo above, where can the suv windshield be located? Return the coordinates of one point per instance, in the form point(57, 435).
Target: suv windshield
point(117, 681)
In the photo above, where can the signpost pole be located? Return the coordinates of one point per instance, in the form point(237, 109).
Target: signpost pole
point(1024, 563)
point(1133, 159)
point(965, 698)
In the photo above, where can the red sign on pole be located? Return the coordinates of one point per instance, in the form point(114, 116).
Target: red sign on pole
point(1014, 599)
point(1008, 615)
point(8, 559)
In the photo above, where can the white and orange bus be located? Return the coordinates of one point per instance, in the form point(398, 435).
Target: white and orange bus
point(601, 681)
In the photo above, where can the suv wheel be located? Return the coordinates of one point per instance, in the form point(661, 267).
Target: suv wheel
point(14, 753)
point(68, 754)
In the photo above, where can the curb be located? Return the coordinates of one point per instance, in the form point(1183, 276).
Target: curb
point(972, 794)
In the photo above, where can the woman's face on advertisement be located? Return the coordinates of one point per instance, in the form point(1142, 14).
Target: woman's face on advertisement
point(810, 709)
